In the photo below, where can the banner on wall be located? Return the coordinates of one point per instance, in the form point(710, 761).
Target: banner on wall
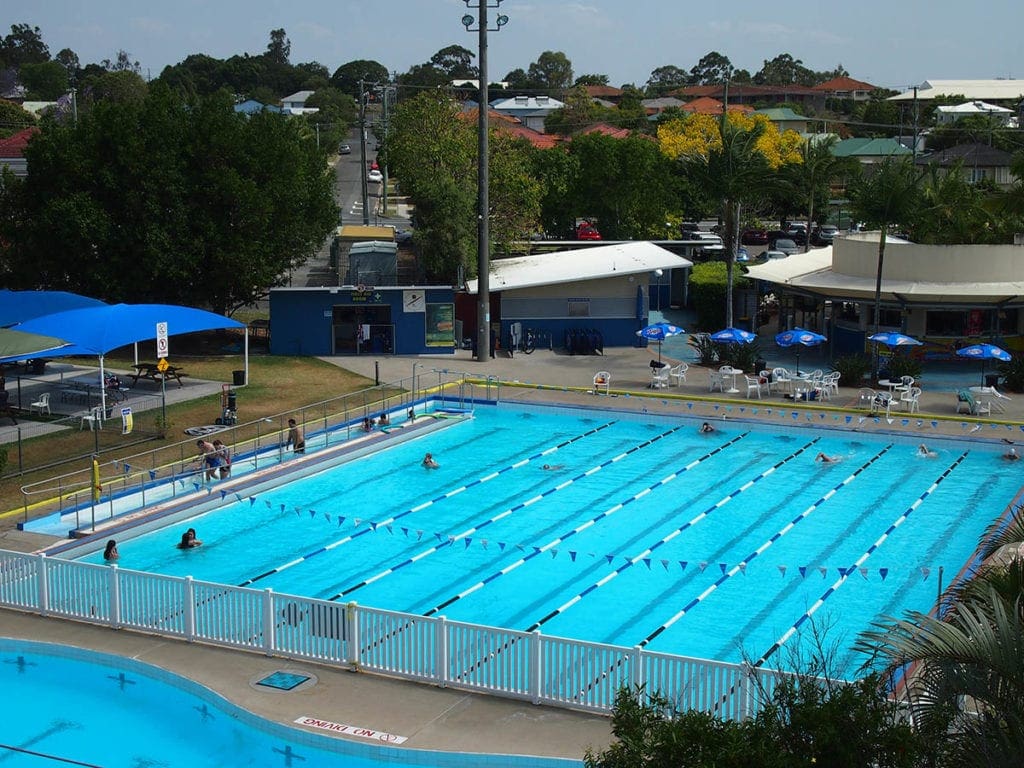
point(440, 330)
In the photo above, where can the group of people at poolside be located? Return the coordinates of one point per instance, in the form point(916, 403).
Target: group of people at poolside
point(381, 421)
point(214, 458)
point(188, 541)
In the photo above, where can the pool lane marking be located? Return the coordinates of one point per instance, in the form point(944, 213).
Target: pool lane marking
point(583, 526)
point(424, 505)
point(739, 567)
point(845, 574)
point(505, 513)
point(639, 558)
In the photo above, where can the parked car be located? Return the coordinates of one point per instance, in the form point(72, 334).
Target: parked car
point(742, 255)
point(587, 231)
point(771, 253)
point(374, 166)
point(754, 237)
point(344, 149)
point(825, 234)
point(785, 244)
point(796, 232)
point(375, 176)
point(778, 234)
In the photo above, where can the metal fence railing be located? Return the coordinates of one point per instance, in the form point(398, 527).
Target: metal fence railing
point(169, 470)
point(529, 666)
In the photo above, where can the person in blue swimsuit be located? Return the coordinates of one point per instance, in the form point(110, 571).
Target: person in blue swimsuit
point(210, 458)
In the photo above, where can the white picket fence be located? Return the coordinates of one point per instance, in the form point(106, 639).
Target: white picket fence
point(501, 662)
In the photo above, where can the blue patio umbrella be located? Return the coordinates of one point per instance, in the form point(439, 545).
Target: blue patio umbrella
point(733, 336)
point(800, 337)
point(895, 340)
point(659, 332)
point(984, 352)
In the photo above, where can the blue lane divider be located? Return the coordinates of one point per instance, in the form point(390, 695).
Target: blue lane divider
point(424, 505)
point(583, 526)
point(846, 573)
point(506, 513)
point(647, 552)
point(739, 567)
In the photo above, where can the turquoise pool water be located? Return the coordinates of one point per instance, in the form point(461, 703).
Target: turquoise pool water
point(66, 706)
point(641, 531)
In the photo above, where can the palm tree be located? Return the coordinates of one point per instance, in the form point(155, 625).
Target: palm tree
point(733, 173)
point(884, 196)
point(966, 668)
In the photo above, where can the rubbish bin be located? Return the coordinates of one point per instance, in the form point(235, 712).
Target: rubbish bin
point(238, 378)
point(992, 380)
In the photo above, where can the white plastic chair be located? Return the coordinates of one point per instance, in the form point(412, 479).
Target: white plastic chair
point(830, 382)
point(882, 402)
point(753, 385)
point(659, 377)
point(909, 399)
point(602, 380)
point(715, 379)
point(94, 418)
point(43, 403)
point(866, 397)
point(783, 380)
point(677, 373)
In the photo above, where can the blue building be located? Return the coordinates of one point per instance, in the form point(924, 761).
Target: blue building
point(352, 320)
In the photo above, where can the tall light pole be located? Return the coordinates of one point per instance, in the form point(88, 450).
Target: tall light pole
point(483, 339)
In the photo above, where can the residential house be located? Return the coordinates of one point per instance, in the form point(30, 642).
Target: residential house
point(756, 95)
point(705, 105)
point(946, 115)
point(977, 162)
point(251, 107)
point(508, 125)
point(606, 130)
point(999, 90)
point(531, 111)
point(659, 105)
point(604, 94)
point(785, 119)
point(870, 151)
point(296, 103)
point(846, 88)
point(12, 151)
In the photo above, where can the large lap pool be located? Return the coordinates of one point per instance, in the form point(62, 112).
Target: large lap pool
point(640, 531)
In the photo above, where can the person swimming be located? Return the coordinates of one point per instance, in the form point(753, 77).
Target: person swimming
point(706, 428)
point(824, 458)
point(429, 463)
point(553, 467)
point(925, 452)
point(1012, 455)
point(189, 540)
point(110, 553)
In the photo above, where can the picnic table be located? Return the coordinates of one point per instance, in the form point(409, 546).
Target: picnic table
point(153, 373)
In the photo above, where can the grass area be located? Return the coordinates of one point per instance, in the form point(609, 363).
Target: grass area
point(276, 385)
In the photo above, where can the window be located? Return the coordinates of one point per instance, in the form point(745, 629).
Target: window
point(945, 322)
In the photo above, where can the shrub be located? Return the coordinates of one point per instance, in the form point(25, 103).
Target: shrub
point(902, 365)
point(707, 350)
point(740, 356)
point(1013, 374)
point(707, 288)
point(851, 369)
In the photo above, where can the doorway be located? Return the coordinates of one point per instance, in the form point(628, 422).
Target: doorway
point(362, 328)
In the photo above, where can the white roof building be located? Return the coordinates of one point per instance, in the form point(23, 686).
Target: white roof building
point(950, 114)
point(603, 261)
point(973, 90)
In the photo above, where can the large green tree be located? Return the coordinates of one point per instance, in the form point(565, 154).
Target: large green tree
point(46, 81)
point(159, 200)
point(346, 77)
point(665, 79)
point(552, 72)
point(24, 45)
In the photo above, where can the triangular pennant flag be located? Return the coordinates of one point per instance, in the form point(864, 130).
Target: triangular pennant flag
point(795, 415)
point(419, 535)
point(451, 539)
point(664, 564)
point(438, 535)
point(312, 513)
point(717, 406)
point(849, 419)
point(536, 550)
point(298, 509)
point(390, 529)
point(889, 421)
point(483, 543)
point(520, 547)
point(723, 567)
point(152, 474)
point(743, 568)
point(754, 411)
point(127, 469)
point(690, 406)
point(863, 572)
point(647, 562)
point(373, 526)
point(702, 566)
point(267, 502)
point(572, 555)
point(554, 553)
point(252, 501)
point(768, 411)
point(406, 532)
point(823, 570)
point(782, 569)
point(468, 542)
point(728, 408)
point(861, 419)
point(609, 558)
point(742, 409)
point(883, 572)
point(356, 521)
point(341, 519)
point(803, 571)
point(501, 546)
point(904, 422)
point(223, 494)
point(298, 512)
point(282, 507)
point(196, 485)
point(682, 565)
point(327, 516)
point(238, 498)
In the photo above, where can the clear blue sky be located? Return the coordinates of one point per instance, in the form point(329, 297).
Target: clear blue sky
point(892, 44)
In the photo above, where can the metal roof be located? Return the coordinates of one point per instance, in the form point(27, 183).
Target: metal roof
point(996, 90)
point(573, 266)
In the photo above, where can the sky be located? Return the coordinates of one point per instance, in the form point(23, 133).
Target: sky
point(894, 45)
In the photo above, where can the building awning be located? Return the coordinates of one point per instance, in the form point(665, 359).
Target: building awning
point(601, 261)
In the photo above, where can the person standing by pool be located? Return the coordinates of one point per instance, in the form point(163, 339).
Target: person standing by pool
point(296, 439)
point(224, 454)
point(208, 456)
point(110, 554)
point(429, 463)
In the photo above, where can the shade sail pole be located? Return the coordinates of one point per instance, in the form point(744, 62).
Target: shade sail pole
point(103, 390)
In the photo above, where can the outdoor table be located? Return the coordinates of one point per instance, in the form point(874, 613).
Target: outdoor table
point(730, 374)
point(993, 393)
point(894, 385)
point(150, 371)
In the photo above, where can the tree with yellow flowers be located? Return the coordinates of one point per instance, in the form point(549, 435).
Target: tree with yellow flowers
point(732, 158)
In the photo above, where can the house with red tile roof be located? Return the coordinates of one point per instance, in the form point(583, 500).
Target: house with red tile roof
point(604, 93)
point(12, 151)
point(756, 94)
point(846, 88)
point(606, 130)
point(705, 105)
point(511, 126)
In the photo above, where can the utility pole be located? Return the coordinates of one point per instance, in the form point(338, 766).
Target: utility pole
point(916, 115)
point(483, 342)
point(362, 152)
point(388, 92)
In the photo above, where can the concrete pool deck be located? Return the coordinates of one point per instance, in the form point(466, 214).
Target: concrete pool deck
point(443, 719)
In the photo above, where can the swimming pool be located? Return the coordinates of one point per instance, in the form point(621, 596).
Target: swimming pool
point(65, 704)
point(642, 532)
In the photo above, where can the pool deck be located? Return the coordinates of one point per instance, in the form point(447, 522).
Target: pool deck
point(443, 719)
